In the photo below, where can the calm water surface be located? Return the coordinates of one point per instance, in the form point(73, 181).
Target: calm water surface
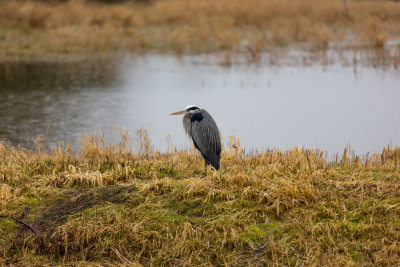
point(265, 106)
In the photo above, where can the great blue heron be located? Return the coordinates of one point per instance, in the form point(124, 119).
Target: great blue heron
point(201, 127)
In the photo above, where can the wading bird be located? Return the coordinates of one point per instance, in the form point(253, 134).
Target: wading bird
point(201, 127)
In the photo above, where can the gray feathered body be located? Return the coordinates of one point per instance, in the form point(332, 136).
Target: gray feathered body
point(203, 130)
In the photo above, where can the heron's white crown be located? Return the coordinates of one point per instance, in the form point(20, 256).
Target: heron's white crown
point(189, 106)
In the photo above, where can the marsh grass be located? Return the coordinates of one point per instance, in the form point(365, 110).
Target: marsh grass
point(251, 28)
point(110, 205)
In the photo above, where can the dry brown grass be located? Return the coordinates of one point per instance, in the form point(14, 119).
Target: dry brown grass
point(253, 27)
point(110, 205)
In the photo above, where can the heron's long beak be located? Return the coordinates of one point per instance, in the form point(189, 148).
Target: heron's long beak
point(178, 113)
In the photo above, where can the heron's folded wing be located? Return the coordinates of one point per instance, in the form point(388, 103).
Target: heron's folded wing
point(206, 136)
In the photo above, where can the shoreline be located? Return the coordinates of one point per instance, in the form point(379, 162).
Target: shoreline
point(384, 58)
point(74, 28)
point(277, 204)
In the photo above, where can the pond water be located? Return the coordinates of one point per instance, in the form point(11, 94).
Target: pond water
point(265, 106)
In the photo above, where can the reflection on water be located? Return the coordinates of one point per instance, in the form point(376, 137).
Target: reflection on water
point(58, 101)
point(267, 107)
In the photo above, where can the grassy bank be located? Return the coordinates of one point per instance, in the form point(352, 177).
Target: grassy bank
point(37, 28)
point(107, 205)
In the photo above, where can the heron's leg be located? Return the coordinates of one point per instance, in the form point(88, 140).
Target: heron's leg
point(205, 169)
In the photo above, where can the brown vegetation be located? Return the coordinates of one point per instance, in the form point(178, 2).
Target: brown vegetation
point(108, 205)
point(251, 27)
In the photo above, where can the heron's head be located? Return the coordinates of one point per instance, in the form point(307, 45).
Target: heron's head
point(188, 109)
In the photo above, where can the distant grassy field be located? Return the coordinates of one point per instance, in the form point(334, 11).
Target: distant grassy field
point(37, 28)
point(110, 206)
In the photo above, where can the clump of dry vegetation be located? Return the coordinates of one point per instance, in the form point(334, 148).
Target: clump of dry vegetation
point(110, 205)
point(252, 28)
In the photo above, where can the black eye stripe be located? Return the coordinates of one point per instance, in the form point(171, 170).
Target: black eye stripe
point(192, 108)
